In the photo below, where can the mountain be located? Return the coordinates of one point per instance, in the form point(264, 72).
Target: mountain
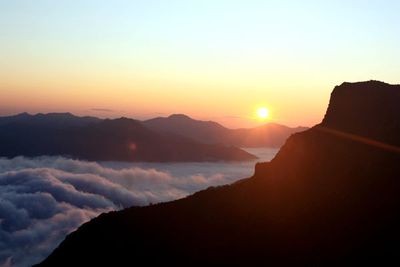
point(201, 131)
point(49, 120)
point(96, 139)
point(268, 135)
point(330, 197)
point(209, 132)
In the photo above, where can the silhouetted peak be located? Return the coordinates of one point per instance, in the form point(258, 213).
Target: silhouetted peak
point(123, 123)
point(368, 108)
point(56, 115)
point(43, 116)
point(22, 115)
point(179, 116)
point(121, 120)
point(373, 83)
point(185, 118)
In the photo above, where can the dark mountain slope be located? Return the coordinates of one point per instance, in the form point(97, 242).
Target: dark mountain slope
point(49, 120)
point(202, 131)
point(331, 197)
point(95, 139)
point(209, 132)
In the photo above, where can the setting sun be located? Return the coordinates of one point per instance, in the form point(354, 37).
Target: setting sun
point(258, 107)
point(262, 113)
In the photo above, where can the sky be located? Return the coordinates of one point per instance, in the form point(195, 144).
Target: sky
point(210, 59)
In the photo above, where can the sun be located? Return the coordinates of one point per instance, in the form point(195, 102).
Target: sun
point(262, 113)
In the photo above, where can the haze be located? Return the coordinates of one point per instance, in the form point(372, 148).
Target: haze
point(145, 59)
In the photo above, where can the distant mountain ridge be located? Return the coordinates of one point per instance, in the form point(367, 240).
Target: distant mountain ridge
point(97, 139)
point(50, 119)
point(176, 138)
point(268, 135)
point(331, 197)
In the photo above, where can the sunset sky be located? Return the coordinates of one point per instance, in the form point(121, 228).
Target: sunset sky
point(210, 59)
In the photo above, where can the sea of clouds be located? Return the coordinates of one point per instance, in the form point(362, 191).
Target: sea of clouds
point(43, 199)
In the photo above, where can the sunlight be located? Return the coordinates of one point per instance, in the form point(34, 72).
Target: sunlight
point(262, 113)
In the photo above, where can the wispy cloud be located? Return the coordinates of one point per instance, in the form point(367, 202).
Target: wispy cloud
point(103, 109)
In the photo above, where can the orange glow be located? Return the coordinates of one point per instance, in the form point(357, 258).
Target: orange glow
point(132, 146)
point(360, 139)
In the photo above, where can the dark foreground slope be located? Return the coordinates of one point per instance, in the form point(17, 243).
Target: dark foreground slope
point(96, 139)
point(330, 197)
point(209, 132)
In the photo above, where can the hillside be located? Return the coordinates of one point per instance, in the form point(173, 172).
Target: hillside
point(96, 139)
point(330, 197)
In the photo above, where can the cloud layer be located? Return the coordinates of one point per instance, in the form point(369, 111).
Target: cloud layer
point(43, 199)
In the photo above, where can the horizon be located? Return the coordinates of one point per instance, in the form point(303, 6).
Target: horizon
point(150, 118)
point(215, 61)
point(202, 132)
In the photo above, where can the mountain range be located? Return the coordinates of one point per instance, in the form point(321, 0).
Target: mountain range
point(330, 197)
point(176, 138)
point(210, 132)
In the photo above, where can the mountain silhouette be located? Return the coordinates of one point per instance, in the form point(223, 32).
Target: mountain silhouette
point(49, 120)
point(96, 139)
point(268, 135)
point(330, 197)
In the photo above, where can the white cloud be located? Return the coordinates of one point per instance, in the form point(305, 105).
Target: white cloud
point(43, 199)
